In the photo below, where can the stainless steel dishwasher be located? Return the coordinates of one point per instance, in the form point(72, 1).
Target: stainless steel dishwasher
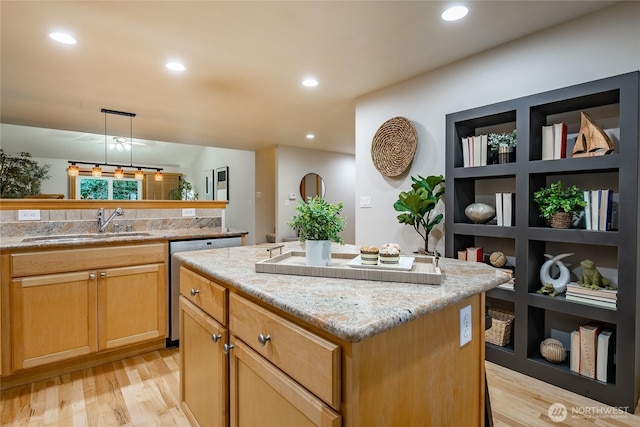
point(174, 276)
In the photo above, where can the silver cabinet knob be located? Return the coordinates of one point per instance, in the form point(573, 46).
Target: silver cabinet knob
point(195, 292)
point(262, 339)
point(227, 348)
point(215, 337)
point(92, 276)
point(103, 274)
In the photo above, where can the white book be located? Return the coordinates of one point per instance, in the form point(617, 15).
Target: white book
point(465, 152)
point(587, 210)
point(559, 140)
point(484, 145)
point(595, 208)
point(547, 142)
point(477, 150)
point(507, 209)
point(499, 217)
point(604, 356)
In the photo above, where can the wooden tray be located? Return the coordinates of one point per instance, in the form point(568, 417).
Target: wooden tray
point(424, 272)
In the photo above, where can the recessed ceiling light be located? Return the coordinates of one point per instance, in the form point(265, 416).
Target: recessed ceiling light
point(454, 13)
point(310, 136)
point(62, 38)
point(175, 66)
point(310, 82)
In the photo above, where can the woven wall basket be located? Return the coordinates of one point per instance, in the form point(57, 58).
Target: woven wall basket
point(394, 146)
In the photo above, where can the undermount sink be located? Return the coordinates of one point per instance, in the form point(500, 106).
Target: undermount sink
point(82, 237)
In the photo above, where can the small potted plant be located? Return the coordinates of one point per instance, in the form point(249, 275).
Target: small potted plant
point(504, 144)
point(558, 204)
point(318, 223)
point(417, 206)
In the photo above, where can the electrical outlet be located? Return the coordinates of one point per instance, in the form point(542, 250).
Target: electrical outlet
point(465, 325)
point(188, 211)
point(292, 196)
point(31, 215)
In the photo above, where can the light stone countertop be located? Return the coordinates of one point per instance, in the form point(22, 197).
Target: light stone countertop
point(17, 242)
point(349, 309)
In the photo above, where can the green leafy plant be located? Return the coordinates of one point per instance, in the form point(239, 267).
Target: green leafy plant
point(417, 205)
point(20, 176)
point(318, 220)
point(497, 140)
point(555, 199)
point(184, 191)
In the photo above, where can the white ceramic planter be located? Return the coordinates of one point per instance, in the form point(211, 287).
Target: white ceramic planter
point(318, 252)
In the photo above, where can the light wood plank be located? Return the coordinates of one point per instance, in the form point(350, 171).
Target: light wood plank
point(149, 385)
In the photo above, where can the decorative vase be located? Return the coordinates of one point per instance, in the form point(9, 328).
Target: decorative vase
point(318, 252)
point(480, 212)
point(560, 220)
point(506, 154)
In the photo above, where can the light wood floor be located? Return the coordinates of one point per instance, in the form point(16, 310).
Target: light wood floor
point(144, 390)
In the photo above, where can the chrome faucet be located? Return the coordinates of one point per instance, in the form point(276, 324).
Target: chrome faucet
point(102, 224)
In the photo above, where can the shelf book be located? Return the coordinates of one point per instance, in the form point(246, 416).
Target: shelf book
point(474, 150)
point(602, 298)
point(592, 352)
point(554, 141)
point(598, 212)
point(504, 209)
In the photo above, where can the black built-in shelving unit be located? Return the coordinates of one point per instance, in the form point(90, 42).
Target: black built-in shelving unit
point(613, 103)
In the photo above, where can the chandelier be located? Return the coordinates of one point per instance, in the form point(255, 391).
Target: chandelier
point(118, 143)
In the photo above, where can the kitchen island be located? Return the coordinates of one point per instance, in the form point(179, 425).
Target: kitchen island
point(323, 351)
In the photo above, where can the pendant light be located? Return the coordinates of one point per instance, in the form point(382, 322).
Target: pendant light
point(73, 169)
point(158, 175)
point(118, 173)
point(139, 174)
point(96, 171)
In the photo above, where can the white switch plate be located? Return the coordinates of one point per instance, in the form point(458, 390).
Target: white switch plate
point(365, 201)
point(292, 196)
point(188, 211)
point(465, 325)
point(29, 215)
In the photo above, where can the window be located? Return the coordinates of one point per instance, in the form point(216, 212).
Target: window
point(107, 188)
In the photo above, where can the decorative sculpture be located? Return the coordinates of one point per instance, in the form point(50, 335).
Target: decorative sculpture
point(592, 140)
point(551, 286)
point(592, 278)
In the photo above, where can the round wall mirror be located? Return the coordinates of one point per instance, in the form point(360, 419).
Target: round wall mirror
point(311, 185)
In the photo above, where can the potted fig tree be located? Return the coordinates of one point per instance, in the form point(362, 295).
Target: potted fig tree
point(318, 223)
point(417, 206)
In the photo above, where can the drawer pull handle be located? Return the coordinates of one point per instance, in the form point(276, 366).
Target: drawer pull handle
point(227, 348)
point(215, 337)
point(103, 274)
point(195, 292)
point(262, 339)
point(92, 276)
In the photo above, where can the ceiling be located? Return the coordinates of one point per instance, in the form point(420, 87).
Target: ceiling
point(245, 62)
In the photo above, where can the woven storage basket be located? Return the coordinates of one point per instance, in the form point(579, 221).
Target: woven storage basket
point(560, 220)
point(500, 331)
point(394, 146)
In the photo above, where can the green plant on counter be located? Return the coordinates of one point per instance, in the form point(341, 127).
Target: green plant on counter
point(497, 140)
point(316, 219)
point(184, 191)
point(417, 205)
point(20, 176)
point(555, 199)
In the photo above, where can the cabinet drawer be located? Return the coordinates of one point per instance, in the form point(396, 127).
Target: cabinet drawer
point(50, 262)
point(312, 361)
point(204, 293)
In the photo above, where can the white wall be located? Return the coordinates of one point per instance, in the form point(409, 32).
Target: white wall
point(265, 193)
point(240, 212)
point(597, 46)
point(336, 169)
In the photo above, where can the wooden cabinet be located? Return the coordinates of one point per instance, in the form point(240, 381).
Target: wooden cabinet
point(204, 372)
point(65, 304)
point(284, 372)
point(203, 367)
point(613, 103)
point(53, 318)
